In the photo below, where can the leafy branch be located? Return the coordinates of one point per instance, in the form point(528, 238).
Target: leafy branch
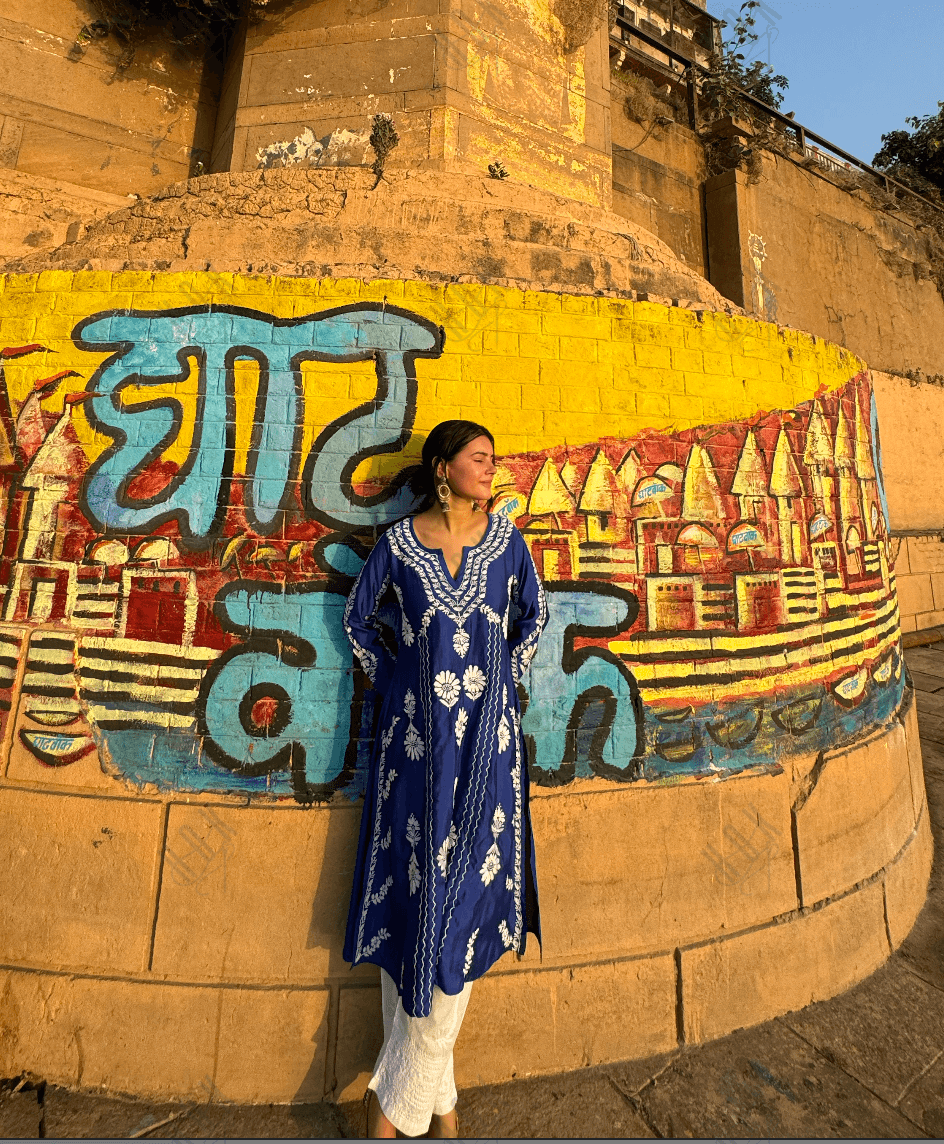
point(916, 158)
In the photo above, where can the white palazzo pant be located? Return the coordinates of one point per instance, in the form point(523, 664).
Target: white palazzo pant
point(413, 1077)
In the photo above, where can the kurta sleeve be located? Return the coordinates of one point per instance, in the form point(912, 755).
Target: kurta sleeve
point(361, 619)
point(529, 609)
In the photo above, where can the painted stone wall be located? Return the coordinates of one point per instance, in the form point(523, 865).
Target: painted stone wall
point(195, 467)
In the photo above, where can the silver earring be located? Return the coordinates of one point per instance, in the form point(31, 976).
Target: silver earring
point(443, 492)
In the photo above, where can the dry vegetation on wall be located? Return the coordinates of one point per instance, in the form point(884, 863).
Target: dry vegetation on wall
point(579, 19)
point(134, 23)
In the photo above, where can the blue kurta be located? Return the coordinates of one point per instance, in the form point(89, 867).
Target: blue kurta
point(444, 882)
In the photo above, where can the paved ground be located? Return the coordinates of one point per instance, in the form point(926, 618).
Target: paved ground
point(868, 1064)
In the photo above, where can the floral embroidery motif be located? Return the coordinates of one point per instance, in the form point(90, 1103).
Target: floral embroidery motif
point(374, 944)
point(413, 873)
point(387, 839)
point(504, 735)
point(413, 837)
point(377, 898)
point(408, 636)
point(507, 940)
point(473, 681)
point(462, 719)
point(384, 789)
point(469, 951)
point(460, 641)
point(492, 863)
point(412, 743)
point(446, 686)
point(509, 884)
point(442, 858)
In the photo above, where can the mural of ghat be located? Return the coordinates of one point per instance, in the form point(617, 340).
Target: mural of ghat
point(192, 473)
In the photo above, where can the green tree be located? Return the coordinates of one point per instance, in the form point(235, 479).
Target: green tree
point(916, 158)
point(730, 75)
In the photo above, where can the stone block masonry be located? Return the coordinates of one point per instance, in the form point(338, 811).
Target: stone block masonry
point(194, 466)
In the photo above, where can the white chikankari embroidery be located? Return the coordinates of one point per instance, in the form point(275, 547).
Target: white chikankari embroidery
point(460, 641)
point(442, 858)
point(517, 825)
point(491, 865)
point(412, 743)
point(384, 789)
point(509, 884)
point(380, 936)
point(387, 839)
point(523, 653)
point(408, 636)
point(507, 940)
point(446, 686)
point(474, 681)
point(367, 658)
point(469, 951)
point(504, 735)
point(413, 837)
point(462, 719)
point(377, 898)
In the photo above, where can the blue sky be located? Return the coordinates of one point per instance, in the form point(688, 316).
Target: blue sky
point(856, 69)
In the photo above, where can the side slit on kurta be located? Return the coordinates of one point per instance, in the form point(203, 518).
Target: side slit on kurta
point(444, 881)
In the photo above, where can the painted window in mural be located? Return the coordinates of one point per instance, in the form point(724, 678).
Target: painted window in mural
point(182, 522)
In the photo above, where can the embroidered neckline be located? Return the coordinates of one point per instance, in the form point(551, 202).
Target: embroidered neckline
point(441, 556)
point(455, 600)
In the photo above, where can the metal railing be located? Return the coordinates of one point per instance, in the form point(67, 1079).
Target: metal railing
point(804, 136)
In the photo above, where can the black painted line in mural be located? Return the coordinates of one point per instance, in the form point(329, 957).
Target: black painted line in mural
point(296, 680)
point(349, 333)
point(610, 691)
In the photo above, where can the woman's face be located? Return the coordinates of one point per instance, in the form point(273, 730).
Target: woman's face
point(471, 470)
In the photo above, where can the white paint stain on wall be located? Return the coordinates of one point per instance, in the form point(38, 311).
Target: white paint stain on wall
point(342, 148)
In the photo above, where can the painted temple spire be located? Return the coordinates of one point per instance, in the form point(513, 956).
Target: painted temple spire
point(602, 499)
point(865, 469)
point(549, 495)
point(818, 457)
point(849, 508)
point(701, 494)
point(787, 489)
point(750, 479)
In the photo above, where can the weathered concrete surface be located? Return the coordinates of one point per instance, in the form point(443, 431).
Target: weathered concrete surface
point(38, 214)
point(424, 225)
point(68, 110)
point(21, 1114)
point(68, 1114)
point(846, 826)
point(865, 279)
point(466, 85)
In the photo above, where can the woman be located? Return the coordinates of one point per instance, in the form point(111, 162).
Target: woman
point(444, 883)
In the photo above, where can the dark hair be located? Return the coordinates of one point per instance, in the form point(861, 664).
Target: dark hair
point(444, 442)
